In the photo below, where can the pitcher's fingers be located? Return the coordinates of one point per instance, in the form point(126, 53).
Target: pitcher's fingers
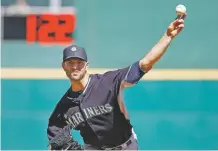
point(181, 26)
point(178, 17)
point(179, 29)
point(184, 16)
point(181, 16)
point(178, 22)
point(174, 22)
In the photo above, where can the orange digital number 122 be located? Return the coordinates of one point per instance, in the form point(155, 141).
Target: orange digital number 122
point(50, 28)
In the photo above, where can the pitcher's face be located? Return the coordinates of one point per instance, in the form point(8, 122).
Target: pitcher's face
point(75, 68)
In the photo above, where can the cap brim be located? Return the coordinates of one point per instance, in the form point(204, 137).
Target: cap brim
point(72, 57)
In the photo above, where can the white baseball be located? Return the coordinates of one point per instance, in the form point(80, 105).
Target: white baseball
point(180, 9)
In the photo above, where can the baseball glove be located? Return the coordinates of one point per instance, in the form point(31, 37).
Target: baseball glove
point(64, 141)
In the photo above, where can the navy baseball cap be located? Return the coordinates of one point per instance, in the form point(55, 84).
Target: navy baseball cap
point(74, 51)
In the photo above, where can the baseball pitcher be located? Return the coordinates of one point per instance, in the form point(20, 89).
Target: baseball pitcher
point(94, 103)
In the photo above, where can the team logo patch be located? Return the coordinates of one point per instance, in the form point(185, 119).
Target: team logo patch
point(73, 49)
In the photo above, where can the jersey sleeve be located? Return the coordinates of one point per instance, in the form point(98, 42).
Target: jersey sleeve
point(131, 75)
point(126, 77)
point(56, 122)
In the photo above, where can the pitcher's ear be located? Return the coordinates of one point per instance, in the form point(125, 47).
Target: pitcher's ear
point(87, 65)
point(63, 66)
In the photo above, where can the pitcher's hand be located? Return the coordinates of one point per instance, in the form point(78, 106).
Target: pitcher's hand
point(176, 27)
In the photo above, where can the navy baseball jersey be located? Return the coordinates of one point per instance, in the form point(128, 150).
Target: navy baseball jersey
point(98, 111)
